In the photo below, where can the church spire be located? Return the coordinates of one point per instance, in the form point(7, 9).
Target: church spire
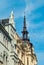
point(24, 21)
point(25, 32)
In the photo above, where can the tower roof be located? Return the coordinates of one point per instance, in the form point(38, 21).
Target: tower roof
point(25, 32)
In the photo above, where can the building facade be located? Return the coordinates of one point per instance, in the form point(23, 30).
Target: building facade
point(13, 49)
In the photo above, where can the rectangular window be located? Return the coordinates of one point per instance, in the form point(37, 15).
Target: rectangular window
point(4, 40)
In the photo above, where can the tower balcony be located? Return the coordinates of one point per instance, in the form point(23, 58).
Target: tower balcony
point(14, 55)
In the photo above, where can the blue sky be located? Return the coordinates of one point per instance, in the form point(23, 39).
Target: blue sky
point(34, 11)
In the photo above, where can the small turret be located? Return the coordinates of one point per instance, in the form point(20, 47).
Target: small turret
point(11, 19)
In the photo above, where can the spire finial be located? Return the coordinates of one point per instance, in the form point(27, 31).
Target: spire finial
point(24, 14)
point(24, 20)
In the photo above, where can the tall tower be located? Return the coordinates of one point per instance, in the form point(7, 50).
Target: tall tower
point(25, 32)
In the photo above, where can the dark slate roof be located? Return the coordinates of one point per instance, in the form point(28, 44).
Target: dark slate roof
point(4, 21)
point(4, 31)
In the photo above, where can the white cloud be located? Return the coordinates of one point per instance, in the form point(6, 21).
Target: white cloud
point(29, 8)
point(32, 5)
